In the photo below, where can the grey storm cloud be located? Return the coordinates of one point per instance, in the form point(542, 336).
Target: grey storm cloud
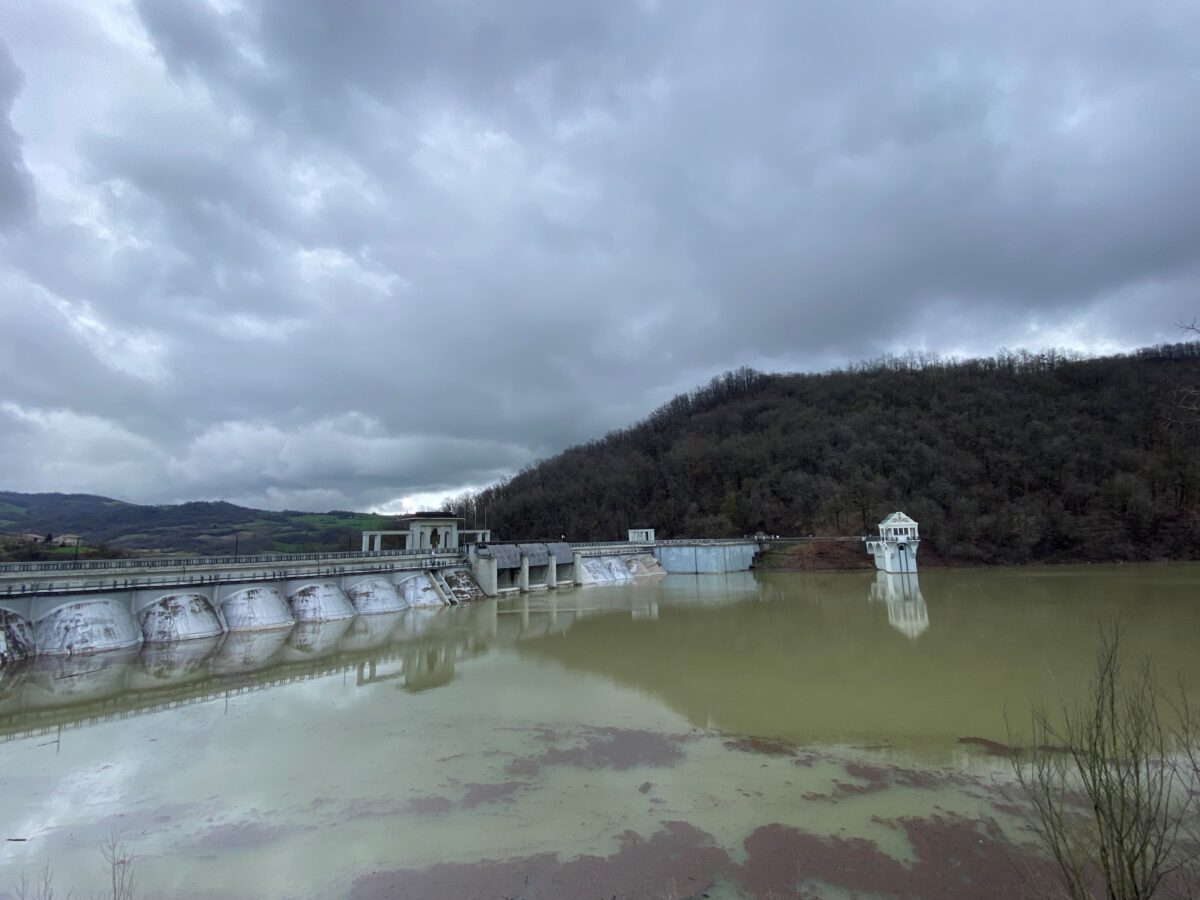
point(16, 185)
point(366, 254)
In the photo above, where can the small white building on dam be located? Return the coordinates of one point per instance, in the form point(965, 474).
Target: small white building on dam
point(427, 531)
point(895, 550)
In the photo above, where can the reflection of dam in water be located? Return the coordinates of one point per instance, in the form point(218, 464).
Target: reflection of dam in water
point(804, 656)
point(906, 608)
point(417, 648)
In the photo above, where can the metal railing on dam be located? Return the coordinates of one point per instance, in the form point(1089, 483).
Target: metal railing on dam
point(198, 561)
point(50, 578)
point(185, 562)
point(672, 542)
point(21, 579)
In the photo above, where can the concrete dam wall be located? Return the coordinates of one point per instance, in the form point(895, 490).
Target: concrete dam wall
point(56, 609)
point(83, 623)
point(706, 559)
point(503, 568)
point(507, 568)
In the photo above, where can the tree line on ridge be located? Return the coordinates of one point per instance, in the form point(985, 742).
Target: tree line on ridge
point(1014, 458)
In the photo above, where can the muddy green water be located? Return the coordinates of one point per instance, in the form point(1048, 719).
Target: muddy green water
point(722, 735)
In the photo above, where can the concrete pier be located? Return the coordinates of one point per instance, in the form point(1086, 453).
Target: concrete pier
point(506, 568)
point(16, 638)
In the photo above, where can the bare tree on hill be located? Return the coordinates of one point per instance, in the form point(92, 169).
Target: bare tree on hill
point(1187, 402)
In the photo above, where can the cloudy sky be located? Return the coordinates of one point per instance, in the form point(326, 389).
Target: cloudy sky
point(306, 254)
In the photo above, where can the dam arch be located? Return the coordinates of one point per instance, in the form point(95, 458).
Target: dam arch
point(372, 594)
point(85, 625)
point(318, 600)
point(253, 607)
point(185, 614)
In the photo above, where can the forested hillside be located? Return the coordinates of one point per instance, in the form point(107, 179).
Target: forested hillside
point(1012, 459)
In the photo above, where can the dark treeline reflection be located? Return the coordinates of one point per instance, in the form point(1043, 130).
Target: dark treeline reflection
point(868, 657)
point(1015, 458)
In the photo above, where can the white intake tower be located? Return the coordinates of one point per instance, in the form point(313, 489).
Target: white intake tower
point(895, 550)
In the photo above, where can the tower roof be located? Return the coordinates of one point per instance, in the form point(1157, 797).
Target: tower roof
point(898, 518)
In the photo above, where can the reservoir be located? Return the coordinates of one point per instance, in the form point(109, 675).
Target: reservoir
point(742, 735)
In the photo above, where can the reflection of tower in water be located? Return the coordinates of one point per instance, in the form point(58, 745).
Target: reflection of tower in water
point(906, 608)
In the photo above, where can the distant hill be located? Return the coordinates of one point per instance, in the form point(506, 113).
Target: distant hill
point(201, 527)
point(1018, 458)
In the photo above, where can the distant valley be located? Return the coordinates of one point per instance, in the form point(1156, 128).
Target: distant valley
point(106, 527)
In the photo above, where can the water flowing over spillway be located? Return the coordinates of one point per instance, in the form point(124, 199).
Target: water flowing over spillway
point(619, 569)
point(459, 585)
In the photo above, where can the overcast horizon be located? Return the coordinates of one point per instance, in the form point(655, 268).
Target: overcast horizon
point(294, 254)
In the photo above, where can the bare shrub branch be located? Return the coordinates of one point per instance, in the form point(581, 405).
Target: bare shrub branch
point(40, 888)
point(119, 863)
point(118, 868)
point(1113, 783)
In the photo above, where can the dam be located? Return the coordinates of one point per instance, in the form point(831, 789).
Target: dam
point(92, 606)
